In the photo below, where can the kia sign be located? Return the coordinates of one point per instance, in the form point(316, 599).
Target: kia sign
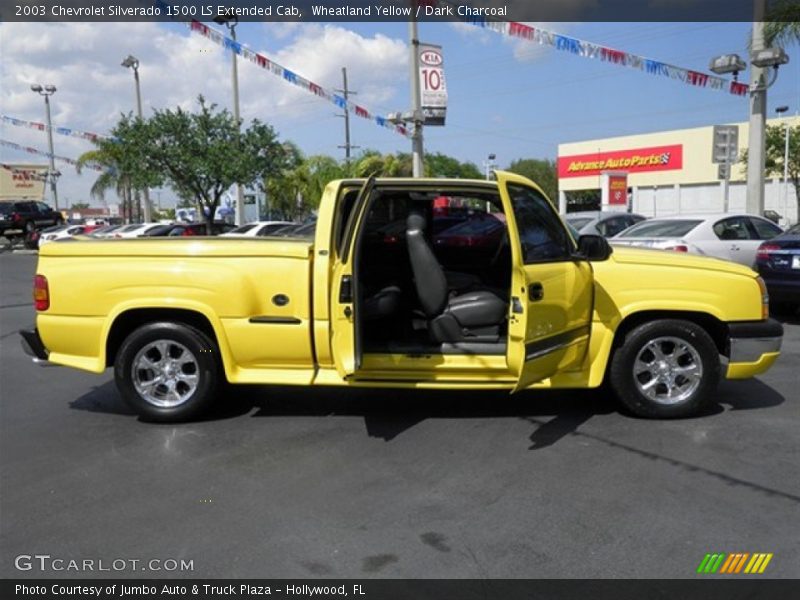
point(432, 85)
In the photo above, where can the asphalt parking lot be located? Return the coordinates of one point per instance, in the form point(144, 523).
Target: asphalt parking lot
point(295, 483)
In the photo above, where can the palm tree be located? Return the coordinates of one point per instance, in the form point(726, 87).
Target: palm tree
point(105, 155)
point(783, 27)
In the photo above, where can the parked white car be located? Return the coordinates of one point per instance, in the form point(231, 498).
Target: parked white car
point(133, 230)
point(734, 237)
point(59, 232)
point(257, 229)
point(605, 223)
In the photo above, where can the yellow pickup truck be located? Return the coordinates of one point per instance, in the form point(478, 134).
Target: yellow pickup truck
point(405, 283)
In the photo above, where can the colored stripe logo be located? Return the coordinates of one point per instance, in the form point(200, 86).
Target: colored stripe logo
point(734, 563)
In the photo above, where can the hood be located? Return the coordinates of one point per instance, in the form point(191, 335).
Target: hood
point(668, 258)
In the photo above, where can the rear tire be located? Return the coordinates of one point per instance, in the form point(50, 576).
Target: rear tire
point(665, 369)
point(168, 372)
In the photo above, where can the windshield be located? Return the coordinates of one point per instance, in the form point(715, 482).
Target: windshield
point(243, 228)
point(579, 222)
point(664, 228)
point(795, 229)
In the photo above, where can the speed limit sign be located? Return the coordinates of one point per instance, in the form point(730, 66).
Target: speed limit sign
point(432, 84)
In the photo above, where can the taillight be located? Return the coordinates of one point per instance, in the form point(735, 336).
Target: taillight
point(764, 249)
point(16, 217)
point(678, 248)
point(41, 293)
point(764, 298)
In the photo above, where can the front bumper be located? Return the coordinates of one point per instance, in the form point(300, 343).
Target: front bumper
point(753, 347)
point(33, 346)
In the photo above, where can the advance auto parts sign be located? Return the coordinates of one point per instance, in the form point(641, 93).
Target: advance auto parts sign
point(432, 87)
point(658, 158)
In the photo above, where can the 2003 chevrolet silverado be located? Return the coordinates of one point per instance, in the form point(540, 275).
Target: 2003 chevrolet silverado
point(407, 283)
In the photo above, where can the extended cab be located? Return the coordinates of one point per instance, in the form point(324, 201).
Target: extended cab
point(382, 296)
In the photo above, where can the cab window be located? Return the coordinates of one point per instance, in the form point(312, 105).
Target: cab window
point(542, 235)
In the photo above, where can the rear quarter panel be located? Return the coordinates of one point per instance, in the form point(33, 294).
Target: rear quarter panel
point(89, 292)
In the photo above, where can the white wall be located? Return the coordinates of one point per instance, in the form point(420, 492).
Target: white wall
point(708, 198)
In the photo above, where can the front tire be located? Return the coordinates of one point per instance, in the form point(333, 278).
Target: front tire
point(168, 372)
point(665, 369)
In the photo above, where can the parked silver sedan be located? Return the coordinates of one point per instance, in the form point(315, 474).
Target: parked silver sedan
point(734, 237)
point(605, 223)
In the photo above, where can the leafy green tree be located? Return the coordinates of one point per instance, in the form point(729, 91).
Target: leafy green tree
point(441, 165)
point(541, 171)
point(200, 155)
point(383, 165)
point(79, 205)
point(776, 149)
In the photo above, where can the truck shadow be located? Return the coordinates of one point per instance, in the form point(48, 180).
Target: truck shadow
point(388, 413)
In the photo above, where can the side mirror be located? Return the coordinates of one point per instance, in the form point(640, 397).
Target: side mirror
point(594, 247)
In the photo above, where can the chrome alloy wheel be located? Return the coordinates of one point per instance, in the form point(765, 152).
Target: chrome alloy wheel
point(165, 373)
point(668, 370)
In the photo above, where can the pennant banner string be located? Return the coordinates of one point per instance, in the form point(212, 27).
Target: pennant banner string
point(31, 150)
point(295, 79)
point(67, 131)
point(586, 49)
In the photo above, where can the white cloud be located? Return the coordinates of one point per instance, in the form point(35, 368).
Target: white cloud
point(83, 61)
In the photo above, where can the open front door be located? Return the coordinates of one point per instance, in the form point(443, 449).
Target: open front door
point(345, 324)
point(551, 290)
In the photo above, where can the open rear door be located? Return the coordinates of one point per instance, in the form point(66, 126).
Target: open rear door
point(345, 322)
point(551, 291)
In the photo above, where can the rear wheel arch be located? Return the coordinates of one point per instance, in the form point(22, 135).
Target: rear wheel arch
point(129, 320)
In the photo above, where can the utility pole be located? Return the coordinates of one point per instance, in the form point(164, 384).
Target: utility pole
point(756, 151)
point(346, 93)
point(416, 109)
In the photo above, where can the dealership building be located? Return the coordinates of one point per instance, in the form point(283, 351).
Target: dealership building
point(669, 172)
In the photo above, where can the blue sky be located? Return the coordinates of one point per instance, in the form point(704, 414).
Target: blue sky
point(508, 97)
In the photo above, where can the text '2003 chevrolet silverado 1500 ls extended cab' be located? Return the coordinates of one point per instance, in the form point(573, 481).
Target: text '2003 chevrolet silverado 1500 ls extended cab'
point(407, 283)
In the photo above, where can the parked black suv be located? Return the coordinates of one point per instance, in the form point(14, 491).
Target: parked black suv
point(26, 216)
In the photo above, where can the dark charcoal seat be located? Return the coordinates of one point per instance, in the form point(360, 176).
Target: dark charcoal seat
point(475, 315)
point(382, 304)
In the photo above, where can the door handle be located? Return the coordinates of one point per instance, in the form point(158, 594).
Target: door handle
point(535, 292)
point(735, 247)
point(346, 290)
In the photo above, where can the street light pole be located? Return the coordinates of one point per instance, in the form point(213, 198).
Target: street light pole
point(48, 91)
point(785, 204)
point(231, 23)
point(418, 167)
point(756, 151)
point(132, 62)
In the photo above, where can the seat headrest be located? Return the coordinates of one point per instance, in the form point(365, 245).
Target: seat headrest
point(415, 221)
